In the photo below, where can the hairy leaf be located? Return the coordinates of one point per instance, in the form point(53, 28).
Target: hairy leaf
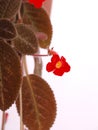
point(10, 75)
point(7, 29)
point(39, 106)
point(8, 8)
point(40, 22)
point(26, 41)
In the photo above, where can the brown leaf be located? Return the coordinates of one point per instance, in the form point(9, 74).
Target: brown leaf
point(40, 22)
point(26, 41)
point(8, 8)
point(7, 29)
point(39, 106)
point(10, 75)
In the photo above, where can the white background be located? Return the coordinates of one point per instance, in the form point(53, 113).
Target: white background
point(75, 36)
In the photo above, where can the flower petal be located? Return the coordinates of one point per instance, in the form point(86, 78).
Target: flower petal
point(63, 59)
point(50, 67)
point(55, 58)
point(67, 67)
point(59, 72)
point(37, 3)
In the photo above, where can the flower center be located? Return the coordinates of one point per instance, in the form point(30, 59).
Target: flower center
point(58, 64)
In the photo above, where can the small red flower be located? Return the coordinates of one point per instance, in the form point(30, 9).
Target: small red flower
point(37, 3)
point(58, 65)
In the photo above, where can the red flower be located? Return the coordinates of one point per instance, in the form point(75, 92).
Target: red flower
point(37, 3)
point(58, 65)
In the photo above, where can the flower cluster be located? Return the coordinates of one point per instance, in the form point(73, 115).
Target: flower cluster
point(37, 3)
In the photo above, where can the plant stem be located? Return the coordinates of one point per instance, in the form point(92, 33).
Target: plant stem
point(38, 64)
point(3, 120)
point(19, 17)
point(40, 55)
point(32, 91)
point(21, 111)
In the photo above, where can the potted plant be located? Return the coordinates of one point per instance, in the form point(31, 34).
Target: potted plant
point(25, 27)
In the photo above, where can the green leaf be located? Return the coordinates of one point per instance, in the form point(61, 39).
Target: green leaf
point(8, 8)
point(7, 29)
point(10, 75)
point(26, 41)
point(39, 105)
point(40, 22)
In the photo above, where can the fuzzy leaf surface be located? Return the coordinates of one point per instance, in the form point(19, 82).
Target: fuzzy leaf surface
point(10, 75)
point(40, 22)
point(8, 8)
point(26, 41)
point(39, 105)
point(7, 29)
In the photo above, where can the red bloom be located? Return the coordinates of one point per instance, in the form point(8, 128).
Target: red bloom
point(58, 65)
point(37, 3)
